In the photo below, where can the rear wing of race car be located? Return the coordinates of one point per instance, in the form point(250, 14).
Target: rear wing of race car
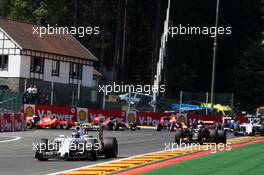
point(209, 124)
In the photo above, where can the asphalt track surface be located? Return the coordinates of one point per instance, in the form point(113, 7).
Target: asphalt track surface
point(17, 157)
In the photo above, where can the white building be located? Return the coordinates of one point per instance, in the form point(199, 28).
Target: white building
point(58, 64)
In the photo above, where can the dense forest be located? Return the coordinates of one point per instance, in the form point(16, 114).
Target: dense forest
point(130, 39)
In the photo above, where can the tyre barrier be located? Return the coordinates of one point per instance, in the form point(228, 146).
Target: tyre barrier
point(12, 122)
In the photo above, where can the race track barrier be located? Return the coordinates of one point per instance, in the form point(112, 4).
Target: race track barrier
point(85, 115)
point(12, 122)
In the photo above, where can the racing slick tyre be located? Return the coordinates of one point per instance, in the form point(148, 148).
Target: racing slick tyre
point(66, 157)
point(236, 133)
point(218, 125)
point(93, 154)
point(43, 146)
point(213, 136)
point(65, 126)
point(133, 126)
point(29, 125)
point(261, 130)
point(221, 136)
point(158, 127)
point(115, 126)
point(178, 136)
point(110, 147)
point(172, 126)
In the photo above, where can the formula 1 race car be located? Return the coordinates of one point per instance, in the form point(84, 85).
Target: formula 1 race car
point(77, 146)
point(110, 123)
point(251, 128)
point(167, 122)
point(229, 123)
point(204, 132)
point(47, 122)
point(114, 124)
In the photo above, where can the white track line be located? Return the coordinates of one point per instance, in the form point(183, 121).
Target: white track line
point(15, 138)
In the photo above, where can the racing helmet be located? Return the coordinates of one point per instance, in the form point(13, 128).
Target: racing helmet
point(184, 127)
point(76, 134)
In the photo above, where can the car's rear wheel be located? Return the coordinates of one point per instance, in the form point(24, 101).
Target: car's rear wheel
point(65, 125)
point(172, 126)
point(213, 136)
point(261, 130)
point(66, 157)
point(178, 135)
point(218, 125)
point(115, 126)
point(110, 147)
point(158, 127)
point(29, 125)
point(221, 136)
point(43, 146)
point(236, 133)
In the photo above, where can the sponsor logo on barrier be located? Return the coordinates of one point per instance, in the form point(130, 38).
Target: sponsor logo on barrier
point(29, 110)
point(182, 118)
point(131, 117)
point(82, 114)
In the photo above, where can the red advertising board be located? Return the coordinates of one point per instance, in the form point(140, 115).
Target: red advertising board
point(60, 112)
point(107, 113)
point(150, 118)
point(88, 115)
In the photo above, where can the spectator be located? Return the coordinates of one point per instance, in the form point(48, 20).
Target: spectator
point(30, 89)
point(34, 89)
point(47, 100)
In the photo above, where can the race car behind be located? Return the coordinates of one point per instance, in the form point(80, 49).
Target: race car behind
point(249, 129)
point(47, 122)
point(203, 132)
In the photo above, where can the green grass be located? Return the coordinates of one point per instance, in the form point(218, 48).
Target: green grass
point(239, 161)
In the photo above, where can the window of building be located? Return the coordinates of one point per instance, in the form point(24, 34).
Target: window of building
point(37, 65)
point(55, 68)
point(76, 71)
point(3, 62)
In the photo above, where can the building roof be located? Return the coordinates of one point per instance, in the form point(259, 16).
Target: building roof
point(61, 44)
point(96, 73)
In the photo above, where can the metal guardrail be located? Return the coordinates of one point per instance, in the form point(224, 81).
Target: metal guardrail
point(10, 101)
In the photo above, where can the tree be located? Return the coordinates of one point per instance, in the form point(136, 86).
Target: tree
point(248, 79)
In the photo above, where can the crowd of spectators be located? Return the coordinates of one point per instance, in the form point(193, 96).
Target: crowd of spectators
point(33, 96)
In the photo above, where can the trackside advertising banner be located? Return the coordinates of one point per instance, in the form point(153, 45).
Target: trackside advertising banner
point(88, 115)
point(12, 122)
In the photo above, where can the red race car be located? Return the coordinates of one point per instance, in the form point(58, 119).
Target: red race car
point(167, 122)
point(48, 122)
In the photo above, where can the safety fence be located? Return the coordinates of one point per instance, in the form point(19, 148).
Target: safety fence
point(12, 122)
point(10, 101)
